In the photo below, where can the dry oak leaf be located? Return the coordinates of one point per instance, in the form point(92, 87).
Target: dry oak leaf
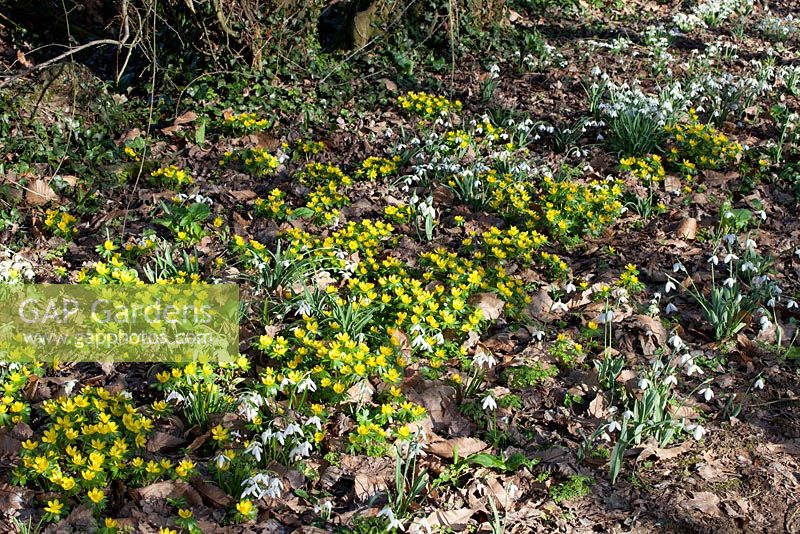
point(489, 304)
point(705, 502)
point(466, 446)
point(39, 193)
point(456, 520)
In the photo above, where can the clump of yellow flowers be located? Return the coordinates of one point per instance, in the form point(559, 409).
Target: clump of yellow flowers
point(86, 441)
point(245, 123)
point(61, 223)
point(374, 167)
point(427, 106)
point(172, 177)
point(256, 161)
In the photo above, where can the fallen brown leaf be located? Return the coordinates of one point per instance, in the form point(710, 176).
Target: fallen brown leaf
point(39, 193)
point(489, 304)
point(466, 446)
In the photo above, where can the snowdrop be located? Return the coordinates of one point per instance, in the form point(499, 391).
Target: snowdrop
point(729, 282)
point(605, 317)
point(255, 449)
point(300, 451)
point(489, 403)
point(314, 421)
point(706, 393)
point(307, 384)
point(669, 286)
point(693, 368)
point(697, 431)
point(393, 521)
point(484, 358)
point(671, 308)
point(644, 383)
point(559, 306)
point(759, 384)
point(613, 426)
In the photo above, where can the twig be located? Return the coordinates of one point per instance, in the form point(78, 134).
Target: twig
point(56, 59)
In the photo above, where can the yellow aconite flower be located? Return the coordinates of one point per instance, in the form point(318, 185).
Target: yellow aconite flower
point(95, 495)
point(244, 507)
point(54, 507)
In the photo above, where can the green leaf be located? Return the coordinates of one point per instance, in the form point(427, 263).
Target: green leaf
point(485, 459)
point(200, 132)
point(301, 213)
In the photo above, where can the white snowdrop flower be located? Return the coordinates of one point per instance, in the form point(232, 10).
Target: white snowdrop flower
point(771, 302)
point(693, 368)
point(303, 308)
point(174, 396)
point(393, 521)
point(314, 421)
point(275, 488)
point(797, 252)
point(69, 385)
point(671, 380)
point(255, 449)
point(484, 358)
point(489, 403)
point(766, 324)
point(748, 266)
point(791, 303)
point(613, 426)
point(678, 266)
point(762, 214)
point(697, 431)
point(538, 334)
point(759, 384)
point(676, 342)
point(292, 429)
point(300, 451)
point(570, 288)
point(729, 282)
point(669, 286)
point(671, 308)
point(714, 259)
point(626, 415)
point(750, 244)
point(221, 460)
point(605, 317)
point(730, 238)
point(706, 393)
point(307, 385)
point(644, 383)
point(421, 342)
point(729, 257)
point(685, 358)
point(559, 306)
